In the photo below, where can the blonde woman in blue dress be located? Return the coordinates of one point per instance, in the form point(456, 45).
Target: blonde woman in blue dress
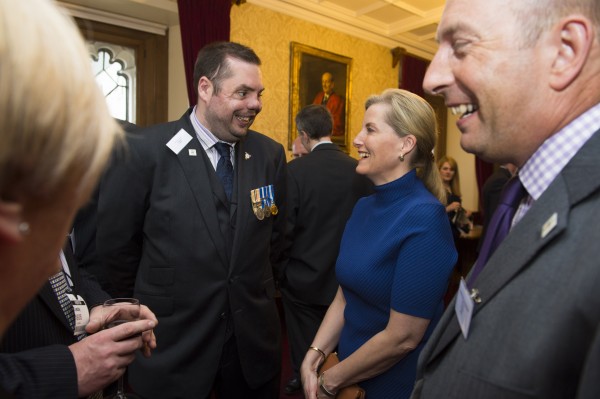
point(395, 258)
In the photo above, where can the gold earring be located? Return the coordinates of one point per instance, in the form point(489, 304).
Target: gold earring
point(401, 157)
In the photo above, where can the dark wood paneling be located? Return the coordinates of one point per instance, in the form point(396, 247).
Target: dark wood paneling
point(151, 62)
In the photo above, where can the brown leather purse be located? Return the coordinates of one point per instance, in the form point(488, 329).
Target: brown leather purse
point(350, 392)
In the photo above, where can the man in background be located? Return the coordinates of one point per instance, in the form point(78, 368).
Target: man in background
point(528, 323)
point(334, 103)
point(323, 187)
point(298, 149)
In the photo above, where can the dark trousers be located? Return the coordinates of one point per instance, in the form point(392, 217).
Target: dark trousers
point(230, 382)
point(302, 322)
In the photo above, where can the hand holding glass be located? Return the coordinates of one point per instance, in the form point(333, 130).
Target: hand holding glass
point(116, 312)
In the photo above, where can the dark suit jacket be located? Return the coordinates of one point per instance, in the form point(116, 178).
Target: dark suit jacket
point(84, 229)
point(168, 236)
point(323, 187)
point(35, 361)
point(536, 333)
point(335, 105)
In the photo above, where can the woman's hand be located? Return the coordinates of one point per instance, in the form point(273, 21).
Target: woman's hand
point(453, 207)
point(308, 374)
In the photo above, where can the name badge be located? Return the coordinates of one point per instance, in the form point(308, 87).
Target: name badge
point(82, 314)
point(464, 308)
point(180, 140)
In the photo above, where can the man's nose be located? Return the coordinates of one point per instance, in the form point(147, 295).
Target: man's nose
point(438, 75)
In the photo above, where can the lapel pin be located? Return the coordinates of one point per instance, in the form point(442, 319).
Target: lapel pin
point(247, 156)
point(192, 152)
point(549, 225)
point(475, 295)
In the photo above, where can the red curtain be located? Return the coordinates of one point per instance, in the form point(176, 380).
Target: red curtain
point(412, 74)
point(201, 22)
point(483, 170)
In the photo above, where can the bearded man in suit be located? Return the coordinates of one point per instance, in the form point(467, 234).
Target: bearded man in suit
point(191, 222)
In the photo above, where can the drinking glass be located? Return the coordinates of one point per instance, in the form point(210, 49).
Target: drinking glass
point(115, 312)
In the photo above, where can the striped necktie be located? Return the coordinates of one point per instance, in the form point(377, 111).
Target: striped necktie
point(61, 288)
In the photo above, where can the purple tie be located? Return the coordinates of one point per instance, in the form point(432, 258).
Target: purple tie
point(510, 198)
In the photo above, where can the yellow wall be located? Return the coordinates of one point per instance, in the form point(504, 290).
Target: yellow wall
point(270, 33)
point(178, 98)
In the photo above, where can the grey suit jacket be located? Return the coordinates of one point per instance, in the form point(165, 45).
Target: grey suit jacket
point(168, 235)
point(536, 332)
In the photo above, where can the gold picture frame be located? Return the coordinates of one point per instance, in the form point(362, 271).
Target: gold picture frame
point(308, 67)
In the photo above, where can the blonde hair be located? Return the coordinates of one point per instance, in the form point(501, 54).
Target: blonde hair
point(55, 126)
point(411, 114)
point(455, 183)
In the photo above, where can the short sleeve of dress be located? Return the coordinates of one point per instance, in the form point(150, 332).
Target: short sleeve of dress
point(425, 260)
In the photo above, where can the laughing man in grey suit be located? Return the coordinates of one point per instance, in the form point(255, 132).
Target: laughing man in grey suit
point(524, 75)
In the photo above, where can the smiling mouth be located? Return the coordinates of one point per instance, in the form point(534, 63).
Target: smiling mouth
point(363, 155)
point(244, 119)
point(463, 110)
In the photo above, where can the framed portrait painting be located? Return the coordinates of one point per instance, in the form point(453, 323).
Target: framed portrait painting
point(320, 77)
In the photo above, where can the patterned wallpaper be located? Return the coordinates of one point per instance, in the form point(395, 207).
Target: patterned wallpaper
point(270, 33)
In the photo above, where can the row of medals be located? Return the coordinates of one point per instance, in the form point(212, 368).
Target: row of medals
point(263, 202)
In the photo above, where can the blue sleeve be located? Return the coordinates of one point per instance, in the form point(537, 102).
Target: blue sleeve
point(425, 262)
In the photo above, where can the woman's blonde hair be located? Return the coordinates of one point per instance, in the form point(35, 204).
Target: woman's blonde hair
point(55, 125)
point(455, 182)
point(411, 114)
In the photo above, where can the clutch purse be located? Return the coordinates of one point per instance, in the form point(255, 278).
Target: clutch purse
point(350, 392)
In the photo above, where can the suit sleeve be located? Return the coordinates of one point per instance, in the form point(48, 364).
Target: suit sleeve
point(589, 387)
point(84, 231)
point(91, 290)
point(292, 205)
point(86, 284)
point(121, 211)
point(279, 223)
point(46, 372)
point(84, 252)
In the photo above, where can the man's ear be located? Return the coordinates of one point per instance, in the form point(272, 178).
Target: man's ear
point(205, 89)
point(574, 36)
point(10, 220)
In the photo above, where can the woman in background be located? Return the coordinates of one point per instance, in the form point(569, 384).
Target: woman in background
point(451, 180)
point(391, 281)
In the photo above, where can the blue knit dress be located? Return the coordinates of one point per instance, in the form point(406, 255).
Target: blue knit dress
point(397, 252)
